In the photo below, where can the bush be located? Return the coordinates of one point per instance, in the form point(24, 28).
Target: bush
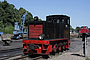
point(7, 30)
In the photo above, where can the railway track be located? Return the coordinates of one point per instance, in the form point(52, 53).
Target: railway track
point(21, 57)
point(4, 54)
point(7, 57)
point(14, 54)
point(26, 57)
point(10, 50)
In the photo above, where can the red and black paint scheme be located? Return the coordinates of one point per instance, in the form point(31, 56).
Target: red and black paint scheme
point(84, 29)
point(45, 37)
point(84, 32)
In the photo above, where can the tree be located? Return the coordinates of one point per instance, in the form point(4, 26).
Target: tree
point(29, 16)
point(72, 29)
point(9, 15)
point(77, 29)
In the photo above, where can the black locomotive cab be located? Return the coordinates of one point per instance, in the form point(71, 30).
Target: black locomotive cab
point(55, 26)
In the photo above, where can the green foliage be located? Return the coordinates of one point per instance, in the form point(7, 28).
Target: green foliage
point(9, 14)
point(77, 29)
point(9, 29)
point(29, 16)
point(72, 29)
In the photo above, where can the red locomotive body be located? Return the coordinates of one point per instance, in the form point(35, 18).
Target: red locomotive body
point(84, 29)
point(45, 37)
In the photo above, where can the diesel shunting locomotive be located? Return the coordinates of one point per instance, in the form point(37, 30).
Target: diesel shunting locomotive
point(50, 36)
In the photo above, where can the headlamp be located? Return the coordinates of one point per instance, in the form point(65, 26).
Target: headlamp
point(41, 37)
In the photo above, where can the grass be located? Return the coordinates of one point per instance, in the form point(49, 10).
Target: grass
point(87, 59)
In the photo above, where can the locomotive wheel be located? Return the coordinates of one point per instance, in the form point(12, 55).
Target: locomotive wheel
point(61, 48)
point(53, 51)
point(31, 46)
point(30, 53)
point(64, 46)
point(57, 50)
point(61, 45)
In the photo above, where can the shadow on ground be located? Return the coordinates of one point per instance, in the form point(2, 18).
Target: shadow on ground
point(35, 57)
point(78, 55)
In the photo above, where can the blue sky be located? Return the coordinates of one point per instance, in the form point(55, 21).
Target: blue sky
point(78, 10)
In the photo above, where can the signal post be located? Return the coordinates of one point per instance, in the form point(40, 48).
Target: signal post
point(85, 31)
point(85, 44)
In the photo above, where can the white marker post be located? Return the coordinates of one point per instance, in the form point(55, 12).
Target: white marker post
point(86, 47)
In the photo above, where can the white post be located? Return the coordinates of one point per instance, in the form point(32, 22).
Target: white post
point(86, 47)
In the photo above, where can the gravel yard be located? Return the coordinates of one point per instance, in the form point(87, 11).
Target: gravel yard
point(75, 52)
